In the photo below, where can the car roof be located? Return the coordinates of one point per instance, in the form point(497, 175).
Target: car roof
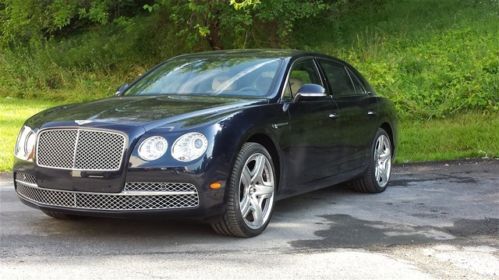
point(267, 53)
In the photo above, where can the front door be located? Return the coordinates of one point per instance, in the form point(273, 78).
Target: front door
point(311, 158)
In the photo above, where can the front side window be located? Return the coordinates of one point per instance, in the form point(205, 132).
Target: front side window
point(338, 79)
point(212, 75)
point(302, 72)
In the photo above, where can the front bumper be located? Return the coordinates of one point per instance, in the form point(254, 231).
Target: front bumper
point(136, 198)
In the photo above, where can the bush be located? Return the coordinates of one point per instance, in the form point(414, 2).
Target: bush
point(432, 58)
point(432, 62)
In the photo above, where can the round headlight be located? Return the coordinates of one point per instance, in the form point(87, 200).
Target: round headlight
point(21, 139)
point(189, 146)
point(25, 143)
point(153, 148)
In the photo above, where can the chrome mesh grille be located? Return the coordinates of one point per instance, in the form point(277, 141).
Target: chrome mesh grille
point(110, 201)
point(159, 186)
point(47, 197)
point(134, 202)
point(56, 148)
point(25, 177)
point(80, 149)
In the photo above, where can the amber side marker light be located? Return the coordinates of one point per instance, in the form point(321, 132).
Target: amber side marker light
point(215, 185)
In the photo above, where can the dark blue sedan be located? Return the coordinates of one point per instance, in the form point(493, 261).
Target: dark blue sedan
point(218, 136)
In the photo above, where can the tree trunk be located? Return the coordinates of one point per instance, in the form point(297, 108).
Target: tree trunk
point(213, 22)
point(214, 38)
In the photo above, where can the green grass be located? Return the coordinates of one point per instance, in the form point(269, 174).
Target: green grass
point(13, 113)
point(470, 135)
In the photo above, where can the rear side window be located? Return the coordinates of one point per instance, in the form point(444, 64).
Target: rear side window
point(338, 79)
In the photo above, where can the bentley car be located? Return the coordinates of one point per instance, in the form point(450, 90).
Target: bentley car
point(217, 137)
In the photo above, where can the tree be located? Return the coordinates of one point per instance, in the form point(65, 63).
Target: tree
point(202, 24)
point(237, 24)
point(22, 21)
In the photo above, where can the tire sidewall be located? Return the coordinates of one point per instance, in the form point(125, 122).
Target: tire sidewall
point(246, 151)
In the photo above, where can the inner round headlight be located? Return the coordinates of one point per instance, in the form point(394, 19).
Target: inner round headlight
point(189, 146)
point(30, 143)
point(153, 148)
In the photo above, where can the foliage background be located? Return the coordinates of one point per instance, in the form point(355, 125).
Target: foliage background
point(433, 58)
point(438, 60)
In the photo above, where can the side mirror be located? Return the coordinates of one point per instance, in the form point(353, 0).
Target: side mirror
point(121, 90)
point(310, 91)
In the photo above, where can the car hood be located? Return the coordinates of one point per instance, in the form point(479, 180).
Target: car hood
point(146, 111)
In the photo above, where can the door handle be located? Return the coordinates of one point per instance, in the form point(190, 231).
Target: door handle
point(371, 113)
point(333, 116)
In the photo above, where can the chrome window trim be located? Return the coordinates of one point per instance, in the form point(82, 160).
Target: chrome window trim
point(352, 77)
point(78, 129)
point(313, 58)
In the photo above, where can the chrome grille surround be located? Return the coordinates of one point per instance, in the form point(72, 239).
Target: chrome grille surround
point(124, 201)
point(83, 149)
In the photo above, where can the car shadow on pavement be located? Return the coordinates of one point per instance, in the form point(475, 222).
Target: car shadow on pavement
point(157, 227)
point(149, 233)
point(346, 231)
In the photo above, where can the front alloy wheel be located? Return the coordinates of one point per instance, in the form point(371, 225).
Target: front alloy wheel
point(256, 190)
point(250, 193)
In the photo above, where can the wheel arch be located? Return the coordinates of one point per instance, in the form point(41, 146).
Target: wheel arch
point(267, 142)
point(388, 128)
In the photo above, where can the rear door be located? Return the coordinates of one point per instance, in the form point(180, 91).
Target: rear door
point(356, 114)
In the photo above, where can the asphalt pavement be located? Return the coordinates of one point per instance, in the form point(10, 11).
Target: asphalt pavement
point(435, 221)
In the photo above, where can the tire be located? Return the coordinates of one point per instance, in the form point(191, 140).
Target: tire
point(60, 216)
point(373, 180)
point(246, 192)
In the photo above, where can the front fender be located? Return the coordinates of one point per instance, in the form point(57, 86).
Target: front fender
point(244, 126)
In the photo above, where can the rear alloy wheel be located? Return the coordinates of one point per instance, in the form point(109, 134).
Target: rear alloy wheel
point(377, 175)
point(250, 193)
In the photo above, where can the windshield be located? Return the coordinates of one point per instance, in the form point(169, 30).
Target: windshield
point(211, 75)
